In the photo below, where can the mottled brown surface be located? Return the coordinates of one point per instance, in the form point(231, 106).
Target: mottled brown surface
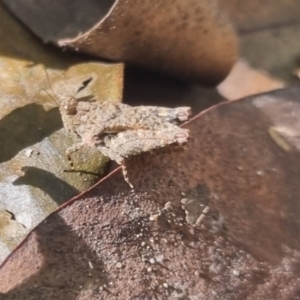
point(188, 39)
point(113, 243)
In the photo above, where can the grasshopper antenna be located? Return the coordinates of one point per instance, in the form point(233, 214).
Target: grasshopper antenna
point(54, 97)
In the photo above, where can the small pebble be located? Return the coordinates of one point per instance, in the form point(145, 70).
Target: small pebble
point(152, 261)
point(159, 258)
point(168, 205)
point(118, 265)
point(91, 265)
point(154, 217)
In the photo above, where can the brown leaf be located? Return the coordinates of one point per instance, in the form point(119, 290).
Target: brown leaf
point(244, 81)
point(115, 243)
point(189, 39)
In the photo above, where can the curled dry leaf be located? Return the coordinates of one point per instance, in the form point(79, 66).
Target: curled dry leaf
point(188, 39)
point(115, 243)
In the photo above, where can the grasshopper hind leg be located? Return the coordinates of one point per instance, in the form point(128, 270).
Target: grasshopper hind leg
point(118, 159)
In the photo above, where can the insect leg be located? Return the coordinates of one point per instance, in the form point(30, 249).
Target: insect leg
point(118, 159)
point(71, 150)
point(125, 174)
point(114, 155)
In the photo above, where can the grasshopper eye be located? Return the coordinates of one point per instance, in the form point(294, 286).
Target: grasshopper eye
point(70, 106)
point(184, 114)
point(182, 137)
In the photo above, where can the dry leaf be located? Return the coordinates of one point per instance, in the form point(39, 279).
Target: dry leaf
point(244, 81)
point(191, 40)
